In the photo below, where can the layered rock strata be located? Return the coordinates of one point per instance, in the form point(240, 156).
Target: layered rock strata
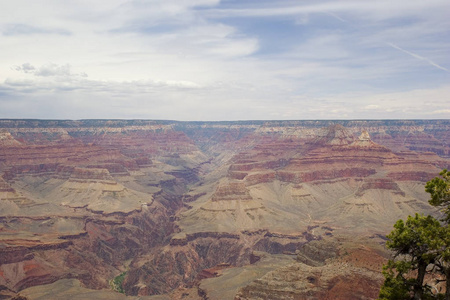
point(177, 204)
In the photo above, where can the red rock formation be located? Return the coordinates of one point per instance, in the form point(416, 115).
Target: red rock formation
point(335, 276)
point(231, 191)
point(333, 155)
point(335, 135)
point(379, 184)
point(7, 140)
point(294, 173)
point(90, 173)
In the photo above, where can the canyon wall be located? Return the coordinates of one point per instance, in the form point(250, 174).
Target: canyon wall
point(170, 203)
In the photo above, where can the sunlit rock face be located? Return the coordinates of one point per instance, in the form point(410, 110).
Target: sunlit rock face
point(275, 210)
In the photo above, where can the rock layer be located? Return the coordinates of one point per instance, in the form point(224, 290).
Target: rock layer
point(174, 204)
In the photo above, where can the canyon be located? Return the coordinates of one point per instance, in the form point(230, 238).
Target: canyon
point(142, 209)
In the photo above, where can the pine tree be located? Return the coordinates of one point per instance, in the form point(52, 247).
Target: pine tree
point(415, 245)
point(439, 189)
point(421, 243)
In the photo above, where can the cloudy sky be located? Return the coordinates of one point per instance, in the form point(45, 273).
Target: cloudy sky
point(225, 60)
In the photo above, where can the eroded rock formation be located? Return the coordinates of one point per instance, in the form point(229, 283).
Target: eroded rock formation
point(181, 206)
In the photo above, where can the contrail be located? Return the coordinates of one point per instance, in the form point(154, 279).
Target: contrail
point(336, 16)
point(419, 57)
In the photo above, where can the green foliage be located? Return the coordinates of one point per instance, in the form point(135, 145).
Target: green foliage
point(445, 243)
point(399, 285)
point(420, 244)
point(439, 189)
point(416, 237)
point(395, 286)
point(116, 283)
point(416, 246)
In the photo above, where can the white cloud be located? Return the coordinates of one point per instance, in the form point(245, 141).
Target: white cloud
point(441, 111)
point(190, 60)
point(26, 67)
point(24, 29)
point(49, 69)
point(374, 10)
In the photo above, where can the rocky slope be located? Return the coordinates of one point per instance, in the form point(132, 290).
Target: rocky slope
point(181, 206)
point(320, 275)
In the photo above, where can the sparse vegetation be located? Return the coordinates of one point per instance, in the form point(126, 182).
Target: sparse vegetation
point(116, 283)
point(421, 247)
